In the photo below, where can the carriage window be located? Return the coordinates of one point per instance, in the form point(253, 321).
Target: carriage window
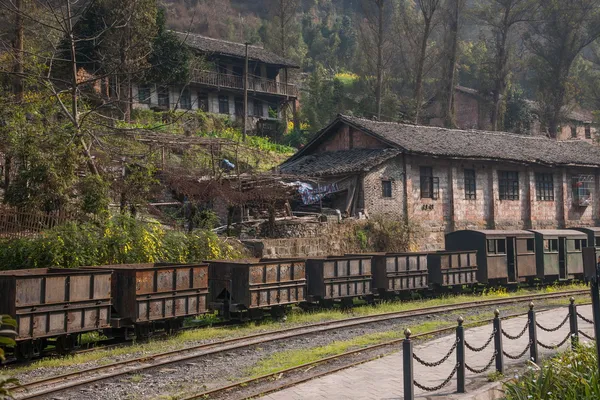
point(597, 241)
point(577, 244)
point(501, 246)
point(491, 244)
point(551, 245)
point(530, 246)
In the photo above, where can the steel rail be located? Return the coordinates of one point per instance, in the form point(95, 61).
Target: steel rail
point(51, 385)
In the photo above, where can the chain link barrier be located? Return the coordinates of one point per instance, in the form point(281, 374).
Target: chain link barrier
point(556, 328)
point(437, 363)
point(520, 355)
point(589, 321)
point(582, 333)
point(438, 387)
point(481, 371)
point(479, 349)
point(555, 346)
point(517, 336)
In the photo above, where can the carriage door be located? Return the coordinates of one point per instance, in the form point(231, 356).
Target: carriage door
point(511, 259)
point(562, 258)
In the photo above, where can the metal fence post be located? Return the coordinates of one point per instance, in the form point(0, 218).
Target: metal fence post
point(533, 349)
point(407, 351)
point(596, 311)
point(573, 323)
point(498, 342)
point(460, 356)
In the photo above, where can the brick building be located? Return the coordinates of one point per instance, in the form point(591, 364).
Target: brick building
point(452, 179)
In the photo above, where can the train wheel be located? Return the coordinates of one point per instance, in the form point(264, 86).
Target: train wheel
point(29, 349)
point(142, 331)
point(66, 344)
point(174, 325)
point(347, 303)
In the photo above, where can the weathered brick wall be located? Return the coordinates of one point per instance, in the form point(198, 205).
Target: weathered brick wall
point(469, 213)
point(373, 200)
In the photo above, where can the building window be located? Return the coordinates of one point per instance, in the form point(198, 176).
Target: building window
point(573, 131)
point(583, 187)
point(430, 185)
point(163, 97)
point(496, 246)
point(509, 185)
point(185, 101)
point(258, 108)
point(386, 188)
point(544, 187)
point(551, 246)
point(470, 185)
point(239, 107)
point(203, 102)
point(224, 104)
point(588, 131)
point(144, 94)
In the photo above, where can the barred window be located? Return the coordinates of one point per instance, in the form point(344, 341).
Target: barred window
point(430, 185)
point(386, 188)
point(509, 185)
point(588, 131)
point(223, 104)
point(573, 131)
point(203, 101)
point(144, 94)
point(163, 97)
point(258, 108)
point(544, 187)
point(186, 99)
point(470, 185)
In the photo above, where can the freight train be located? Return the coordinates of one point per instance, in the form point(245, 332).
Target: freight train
point(54, 307)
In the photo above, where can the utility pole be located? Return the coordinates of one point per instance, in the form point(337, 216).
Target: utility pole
point(245, 96)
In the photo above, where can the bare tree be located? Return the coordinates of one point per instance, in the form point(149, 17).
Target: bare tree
point(502, 17)
point(454, 9)
point(559, 32)
point(375, 40)
point(428, 9)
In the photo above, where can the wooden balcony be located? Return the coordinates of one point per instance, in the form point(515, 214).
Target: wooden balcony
point(257, 85)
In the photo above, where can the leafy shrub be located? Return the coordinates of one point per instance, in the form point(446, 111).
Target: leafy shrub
point(94, 195)
point(7, 333)
point(385, 233)
point(572, 375)
point(121, 239)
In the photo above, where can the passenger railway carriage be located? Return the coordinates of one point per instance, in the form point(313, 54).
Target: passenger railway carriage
point(55, 306)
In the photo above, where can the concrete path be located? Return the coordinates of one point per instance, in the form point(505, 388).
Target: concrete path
point(382, 378)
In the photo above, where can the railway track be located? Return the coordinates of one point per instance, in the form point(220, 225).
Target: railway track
point(88, 376)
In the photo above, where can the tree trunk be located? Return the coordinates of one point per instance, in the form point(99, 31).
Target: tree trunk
point(448, 96)
point(379, 89)
point(420, 69)
point(501, 62)
point(19, 49)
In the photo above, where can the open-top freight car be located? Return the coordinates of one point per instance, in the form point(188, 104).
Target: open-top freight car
point(395, 273)
point(559, 253)
point(503, 256)
point(452, 268)
point(245, 288)
point(331, 279)
point(156, 296)
point(55, 303)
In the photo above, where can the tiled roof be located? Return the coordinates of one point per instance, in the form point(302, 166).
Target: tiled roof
point(456, 143)
point(232, 49)
point(337, 162)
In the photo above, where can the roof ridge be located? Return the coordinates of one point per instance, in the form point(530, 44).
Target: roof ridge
point(216, 40)
point(497, 133)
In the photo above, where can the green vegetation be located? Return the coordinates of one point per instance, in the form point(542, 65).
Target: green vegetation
point(119, 239)
point(7, 333)
point(572, 375)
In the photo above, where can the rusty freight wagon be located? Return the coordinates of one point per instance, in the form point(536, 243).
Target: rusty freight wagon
point(559, 253)
point(154, 296)
point(593, 236)
point(246, 288)
point(452, 268)
point(55, 305)
point(503, 256)
point(336, 278)
point(394, 273)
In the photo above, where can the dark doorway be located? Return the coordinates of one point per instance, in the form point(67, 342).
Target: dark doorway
point(511, 259)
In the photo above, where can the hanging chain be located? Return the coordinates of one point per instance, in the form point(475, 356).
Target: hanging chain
point(589, 321)
point(435, 364)
point(481, 371)
point(519, 335)
point(478, 349)
point(438, 387)
point(582, 333)
point(554, 329)
point(555, 346)
point(520, 355)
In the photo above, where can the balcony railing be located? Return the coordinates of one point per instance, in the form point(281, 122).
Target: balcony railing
point(259, 85)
